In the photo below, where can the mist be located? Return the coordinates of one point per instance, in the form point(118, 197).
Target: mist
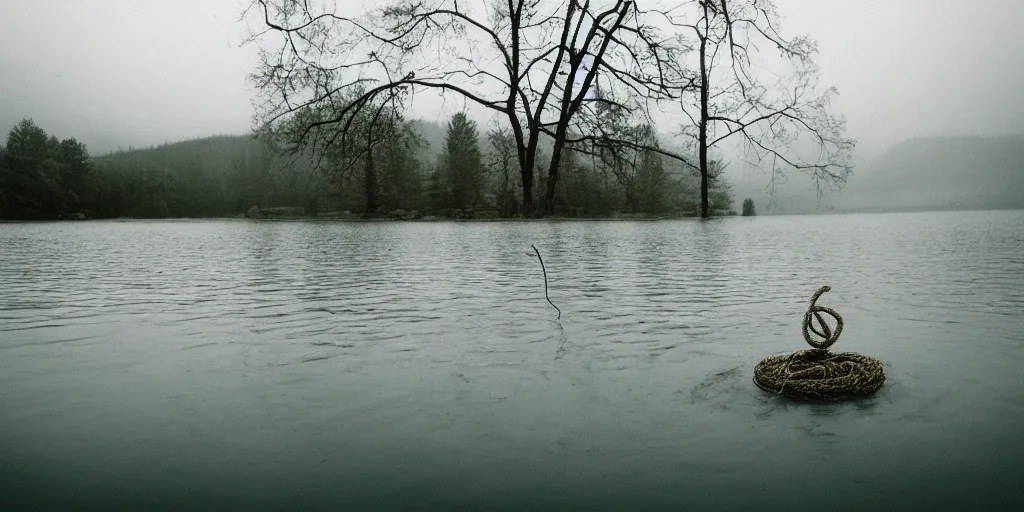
point(118, 73)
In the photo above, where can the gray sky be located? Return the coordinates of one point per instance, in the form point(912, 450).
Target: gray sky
point(140, 72)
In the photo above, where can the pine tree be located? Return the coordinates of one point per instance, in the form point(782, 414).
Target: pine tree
point(748, 207)
point(463, 162)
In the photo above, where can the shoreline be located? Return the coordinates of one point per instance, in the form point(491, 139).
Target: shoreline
point(355, 220)
point(627, 218)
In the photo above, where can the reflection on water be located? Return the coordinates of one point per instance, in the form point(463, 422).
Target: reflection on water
point(281, 365)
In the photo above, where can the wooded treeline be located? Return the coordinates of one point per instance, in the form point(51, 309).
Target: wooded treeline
point(42, 177)
point(465, 172)
point(468, 172)
point(573, 86)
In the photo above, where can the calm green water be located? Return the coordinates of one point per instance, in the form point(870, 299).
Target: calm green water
point(296, 366)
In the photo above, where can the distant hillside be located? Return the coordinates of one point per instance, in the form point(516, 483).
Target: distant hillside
point(42, 177)
point(209, 176)
point(434, 133)
point(227, 175)
point(940, 173)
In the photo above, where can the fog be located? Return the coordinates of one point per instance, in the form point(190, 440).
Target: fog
point(125, 72)
point(120, 73)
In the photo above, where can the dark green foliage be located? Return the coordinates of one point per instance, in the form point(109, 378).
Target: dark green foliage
point(502, 170)
point(380, 173)
point(215, 176)
point(581, 191)
point(42, 177)
point(372, 168)
point(650, 179)
point(719, 190)
point(748, 207)
point(463, 163)
point(45, 178)
point(399, 180)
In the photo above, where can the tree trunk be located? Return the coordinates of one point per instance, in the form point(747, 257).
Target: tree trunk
point(702, 135)
point(549, 196)
point(503, 200)
point(556, 162)
point(527, 157)
point(370, 184)
point(527, 198)
point(632, 198)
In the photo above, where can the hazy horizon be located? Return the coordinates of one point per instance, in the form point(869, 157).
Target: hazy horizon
point(120, 73)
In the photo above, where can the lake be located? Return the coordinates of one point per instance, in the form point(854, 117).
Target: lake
point(258, 365)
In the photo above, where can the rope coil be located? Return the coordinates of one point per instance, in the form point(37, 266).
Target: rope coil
point(818, 374)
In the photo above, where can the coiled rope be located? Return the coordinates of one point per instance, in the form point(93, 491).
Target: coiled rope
point(818, 374)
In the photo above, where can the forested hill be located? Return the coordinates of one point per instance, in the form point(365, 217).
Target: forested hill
point(426, 169)
point(212, 176)
point(42, 177)
point(939, 173)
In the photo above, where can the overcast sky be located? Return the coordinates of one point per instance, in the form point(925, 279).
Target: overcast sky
point(140, 72)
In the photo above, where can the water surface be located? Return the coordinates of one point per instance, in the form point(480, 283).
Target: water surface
point(290, 365)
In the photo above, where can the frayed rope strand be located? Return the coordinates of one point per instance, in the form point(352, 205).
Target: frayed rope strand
point(546, 281)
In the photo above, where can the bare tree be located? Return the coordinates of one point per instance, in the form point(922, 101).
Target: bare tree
point(731, 97)
point(501, 161)
point(623, 161)
point(377, 125)
point(542, 65)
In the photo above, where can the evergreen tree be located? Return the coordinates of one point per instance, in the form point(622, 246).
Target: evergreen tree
point(650, 179)
point(463, 162)
point(748, 207)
